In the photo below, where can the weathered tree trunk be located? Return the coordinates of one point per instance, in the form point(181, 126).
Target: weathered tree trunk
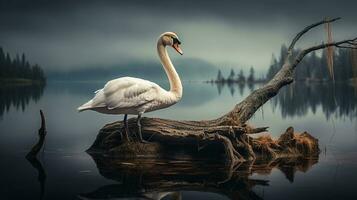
point(229, 131)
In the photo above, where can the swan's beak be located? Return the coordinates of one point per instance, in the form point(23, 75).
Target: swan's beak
point(177, 48)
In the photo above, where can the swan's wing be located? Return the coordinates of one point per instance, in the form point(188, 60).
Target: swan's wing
point(128, 92)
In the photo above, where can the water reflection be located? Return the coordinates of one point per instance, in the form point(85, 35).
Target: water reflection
point(233, 87)
point(297, 99)
point(71, 172)
point(41, 177)
point(156, 179)
point(335, 99)
point(18, 96)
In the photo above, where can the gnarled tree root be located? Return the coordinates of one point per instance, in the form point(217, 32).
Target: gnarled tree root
point(200, 140)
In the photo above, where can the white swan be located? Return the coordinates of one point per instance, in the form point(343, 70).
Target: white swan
point(136, 96)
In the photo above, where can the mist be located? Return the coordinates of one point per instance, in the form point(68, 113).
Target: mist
point(66, 35)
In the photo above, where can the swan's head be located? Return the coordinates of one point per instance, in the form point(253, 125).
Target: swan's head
point(171, 39)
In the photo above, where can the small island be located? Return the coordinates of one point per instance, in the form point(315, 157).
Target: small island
point(18, 70)
point(239, 78)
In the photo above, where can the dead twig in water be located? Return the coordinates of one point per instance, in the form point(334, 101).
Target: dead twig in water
point(31, 156)
point(42, 135)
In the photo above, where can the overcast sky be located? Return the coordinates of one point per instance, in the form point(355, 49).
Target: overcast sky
point(64, 35)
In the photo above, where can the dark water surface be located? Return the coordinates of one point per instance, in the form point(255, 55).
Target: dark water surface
point(65, 171)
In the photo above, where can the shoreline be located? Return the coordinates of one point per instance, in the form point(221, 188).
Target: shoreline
point(21, 81)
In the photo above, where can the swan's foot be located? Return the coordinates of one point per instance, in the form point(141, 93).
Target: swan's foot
point(139, 130)
point(126, 133)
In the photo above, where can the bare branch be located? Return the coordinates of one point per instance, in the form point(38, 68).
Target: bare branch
point(305, 30)
point(306, 51)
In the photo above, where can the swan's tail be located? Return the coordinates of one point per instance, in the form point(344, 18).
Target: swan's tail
point(85, 106)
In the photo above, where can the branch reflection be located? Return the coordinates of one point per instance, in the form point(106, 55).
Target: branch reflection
point(156, 179)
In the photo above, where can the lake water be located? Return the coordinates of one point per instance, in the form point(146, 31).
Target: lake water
point(327, 112)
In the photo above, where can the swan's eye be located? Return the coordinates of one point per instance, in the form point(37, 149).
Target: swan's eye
point(175, 40)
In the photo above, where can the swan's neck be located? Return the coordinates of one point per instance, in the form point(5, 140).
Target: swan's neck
point(175, 82)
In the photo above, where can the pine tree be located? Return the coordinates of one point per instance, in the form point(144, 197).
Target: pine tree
point(7, 65)
point(2, 62)
point(241, 78)
point(19, 68)
point(251, 78)
point(231, 76)
point(23, 60)
point(314, 64)
point(322, 73)
point(273, 68)
point(283, 51)
point(220, 77)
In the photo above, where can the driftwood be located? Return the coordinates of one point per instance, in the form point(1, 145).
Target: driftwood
point(32, 155)
point(230, 131)
point(155, 179)
point(42, 135)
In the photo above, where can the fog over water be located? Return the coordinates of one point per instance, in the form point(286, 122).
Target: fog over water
point(66, 35)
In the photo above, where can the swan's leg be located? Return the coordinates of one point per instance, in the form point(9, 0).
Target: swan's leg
point(126, 127)
point(139, 128)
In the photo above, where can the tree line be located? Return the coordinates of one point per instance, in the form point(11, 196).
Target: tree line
point(314, 67)
point(19, 68)
point(236, 78)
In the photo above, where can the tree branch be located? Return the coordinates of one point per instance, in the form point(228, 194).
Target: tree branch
point(306, 51)
point(305, 30)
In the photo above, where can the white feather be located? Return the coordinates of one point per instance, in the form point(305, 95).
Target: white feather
point(129, 95)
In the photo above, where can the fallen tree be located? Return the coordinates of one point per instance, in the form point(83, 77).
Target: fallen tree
point(203, 139)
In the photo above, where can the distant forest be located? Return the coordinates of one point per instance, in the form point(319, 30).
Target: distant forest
point(236, 78)
point(314, 67)
point(19, 68)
